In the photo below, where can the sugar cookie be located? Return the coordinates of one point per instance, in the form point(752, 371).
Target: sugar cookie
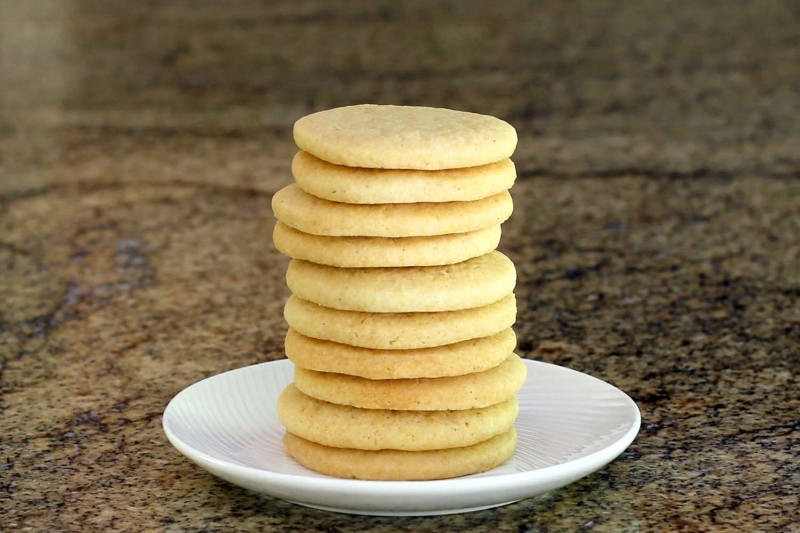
point(473, 283)
point(404, 137)
point(399, 331)
point(396, 465)
point(469, 391)
point(309, 214)
point(342, 426)
point(359, 252)
point(387, 186)
point(466, 357)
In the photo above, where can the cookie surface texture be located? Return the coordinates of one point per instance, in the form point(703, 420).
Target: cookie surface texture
point(361, 252)
point(469, 391)
point(399, 331)
point(309, 214)
point(388, 186)
point(400, 137)
point(396, 465)
point(473, 283)
point(342, 426)
point(466, 357)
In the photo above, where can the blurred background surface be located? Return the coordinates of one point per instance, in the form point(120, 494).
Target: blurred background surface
point(655, 233)
point(696, 88)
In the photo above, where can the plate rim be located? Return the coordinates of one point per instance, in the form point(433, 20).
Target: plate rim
point(593, 461)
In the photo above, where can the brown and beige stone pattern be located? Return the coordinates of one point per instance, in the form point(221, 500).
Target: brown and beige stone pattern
point(656, 235)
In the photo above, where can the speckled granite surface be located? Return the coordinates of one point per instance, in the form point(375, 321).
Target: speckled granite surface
point(656, 238)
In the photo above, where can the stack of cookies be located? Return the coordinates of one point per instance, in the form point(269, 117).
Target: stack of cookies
point(401, 313)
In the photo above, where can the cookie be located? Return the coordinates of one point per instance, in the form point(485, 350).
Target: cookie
point(396, 465)
point(473, 283)
point(464, 357)
point(342, 426)
point(469, 391)
point(360, 252)
point(309, 214)
point(401, 137)
point(399, 331)
point(386, 186)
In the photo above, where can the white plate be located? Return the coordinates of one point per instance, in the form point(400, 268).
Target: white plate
point(570, 425)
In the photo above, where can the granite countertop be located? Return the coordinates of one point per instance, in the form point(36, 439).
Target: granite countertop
point(656, 235)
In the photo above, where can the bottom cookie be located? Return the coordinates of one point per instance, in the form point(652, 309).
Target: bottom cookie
point(395, 465)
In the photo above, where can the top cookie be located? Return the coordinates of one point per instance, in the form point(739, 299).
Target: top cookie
point(402, 137)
